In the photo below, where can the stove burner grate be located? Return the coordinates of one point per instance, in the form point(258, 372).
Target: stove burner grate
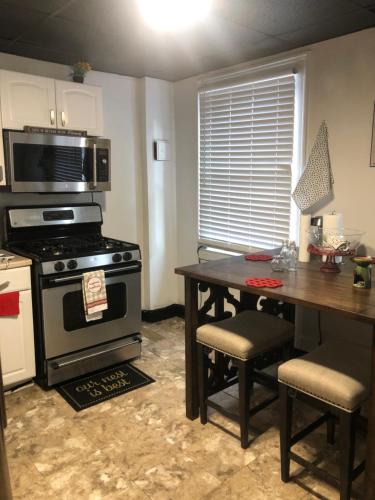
point(57, 247)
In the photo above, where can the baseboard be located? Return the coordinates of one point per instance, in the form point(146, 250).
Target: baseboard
point(154, 315)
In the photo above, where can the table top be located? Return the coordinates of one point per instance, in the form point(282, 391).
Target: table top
point(307, 286)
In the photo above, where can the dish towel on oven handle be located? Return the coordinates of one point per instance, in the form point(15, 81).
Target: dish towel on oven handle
point(316, 181)
point(94, 294)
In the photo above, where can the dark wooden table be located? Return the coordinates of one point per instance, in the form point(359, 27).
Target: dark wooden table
point(308, 287)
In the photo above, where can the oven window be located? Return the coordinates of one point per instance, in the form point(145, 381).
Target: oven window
point(40, 163)
point(74, 315)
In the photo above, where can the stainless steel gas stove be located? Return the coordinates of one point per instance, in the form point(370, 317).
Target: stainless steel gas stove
point(64, 242)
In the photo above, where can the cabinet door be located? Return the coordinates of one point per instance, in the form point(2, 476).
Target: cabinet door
point(27, 100)
point(3, 180)
point(17, 343)
point(79, 107)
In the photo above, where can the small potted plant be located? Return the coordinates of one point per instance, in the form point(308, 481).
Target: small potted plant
point(80, 69)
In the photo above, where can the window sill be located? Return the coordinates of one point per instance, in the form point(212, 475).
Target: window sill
point(206, 254)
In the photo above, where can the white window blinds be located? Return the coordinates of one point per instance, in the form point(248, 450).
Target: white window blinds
point(246, 150)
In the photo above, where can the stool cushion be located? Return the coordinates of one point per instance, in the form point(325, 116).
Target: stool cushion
point(246, 335)
point(336, 372)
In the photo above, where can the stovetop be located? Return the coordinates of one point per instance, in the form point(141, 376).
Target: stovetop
point(63, 238)
point(76, 253)
point(71, 246)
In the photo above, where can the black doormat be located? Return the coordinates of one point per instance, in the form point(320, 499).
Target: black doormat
point(90, 390)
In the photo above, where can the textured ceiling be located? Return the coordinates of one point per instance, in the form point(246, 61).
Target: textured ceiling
point(112, 36)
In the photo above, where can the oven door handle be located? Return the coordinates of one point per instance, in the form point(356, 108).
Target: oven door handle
point(66, 279)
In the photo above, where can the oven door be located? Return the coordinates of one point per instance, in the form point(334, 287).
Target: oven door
point(65, 328)
point(56, 163)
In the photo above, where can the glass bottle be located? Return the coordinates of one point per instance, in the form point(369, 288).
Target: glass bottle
point(284, 254)
point(278, 263)
point(292, 257)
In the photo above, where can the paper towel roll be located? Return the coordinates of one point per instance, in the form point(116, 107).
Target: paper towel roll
point(335, 222)
point(305, 223)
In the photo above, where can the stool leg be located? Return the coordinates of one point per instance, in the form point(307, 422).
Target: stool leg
point(202, 382)
point(244, 403)
point(347, 449)
point(219, 369)
point(331, 425)
point(286, 415)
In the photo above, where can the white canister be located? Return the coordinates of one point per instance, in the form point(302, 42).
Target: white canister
point(305, 224)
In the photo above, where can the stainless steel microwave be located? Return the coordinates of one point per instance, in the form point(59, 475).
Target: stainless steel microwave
point(50, 163)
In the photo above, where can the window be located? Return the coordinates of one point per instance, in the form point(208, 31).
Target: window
point(247, 164)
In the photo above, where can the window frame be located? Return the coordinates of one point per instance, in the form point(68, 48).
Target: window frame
point(297, 65)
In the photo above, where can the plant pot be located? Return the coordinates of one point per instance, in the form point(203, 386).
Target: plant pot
point(78, 78)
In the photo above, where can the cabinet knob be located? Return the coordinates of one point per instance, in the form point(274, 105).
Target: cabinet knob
point(63, 121)
point(52, 116)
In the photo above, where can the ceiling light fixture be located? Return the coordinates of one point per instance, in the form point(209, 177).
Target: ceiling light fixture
point(173, 15)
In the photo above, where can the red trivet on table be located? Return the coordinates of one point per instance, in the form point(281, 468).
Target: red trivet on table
point(254, 256)
point(263, 282)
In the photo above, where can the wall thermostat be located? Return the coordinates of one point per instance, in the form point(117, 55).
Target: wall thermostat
point(161, 150)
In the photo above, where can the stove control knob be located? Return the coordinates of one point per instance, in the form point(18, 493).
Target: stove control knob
point(116, 257)
point(72, 264)
point(59, 266)
point(127, 256)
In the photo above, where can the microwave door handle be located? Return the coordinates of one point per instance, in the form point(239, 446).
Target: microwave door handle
point(94, 183)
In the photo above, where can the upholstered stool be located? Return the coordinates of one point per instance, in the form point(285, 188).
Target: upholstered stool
point(335, 379)
point(243, 338)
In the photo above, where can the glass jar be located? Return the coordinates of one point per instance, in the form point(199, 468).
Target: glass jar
point(279, 263)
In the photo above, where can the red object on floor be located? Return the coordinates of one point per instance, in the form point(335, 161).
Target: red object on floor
point(254, 256)
point(264, 282)
point(10, 304)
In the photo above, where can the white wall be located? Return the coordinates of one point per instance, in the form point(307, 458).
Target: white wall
point(159, 195)
point(341, 90)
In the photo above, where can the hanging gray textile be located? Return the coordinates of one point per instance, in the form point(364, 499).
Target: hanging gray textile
point(316, 182)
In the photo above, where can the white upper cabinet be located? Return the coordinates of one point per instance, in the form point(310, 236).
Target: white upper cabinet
point(79, 107)
point(3, 180)
point(27, 100)
point(45, 102)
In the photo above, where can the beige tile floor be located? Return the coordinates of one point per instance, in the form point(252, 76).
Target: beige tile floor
point(141, 446)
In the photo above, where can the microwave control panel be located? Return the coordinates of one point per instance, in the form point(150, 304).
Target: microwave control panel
point(102, 165)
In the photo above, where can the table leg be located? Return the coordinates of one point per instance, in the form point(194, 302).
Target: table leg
point(249, 301)
point(191, 325)
point(370, 452)
point(5, 489)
